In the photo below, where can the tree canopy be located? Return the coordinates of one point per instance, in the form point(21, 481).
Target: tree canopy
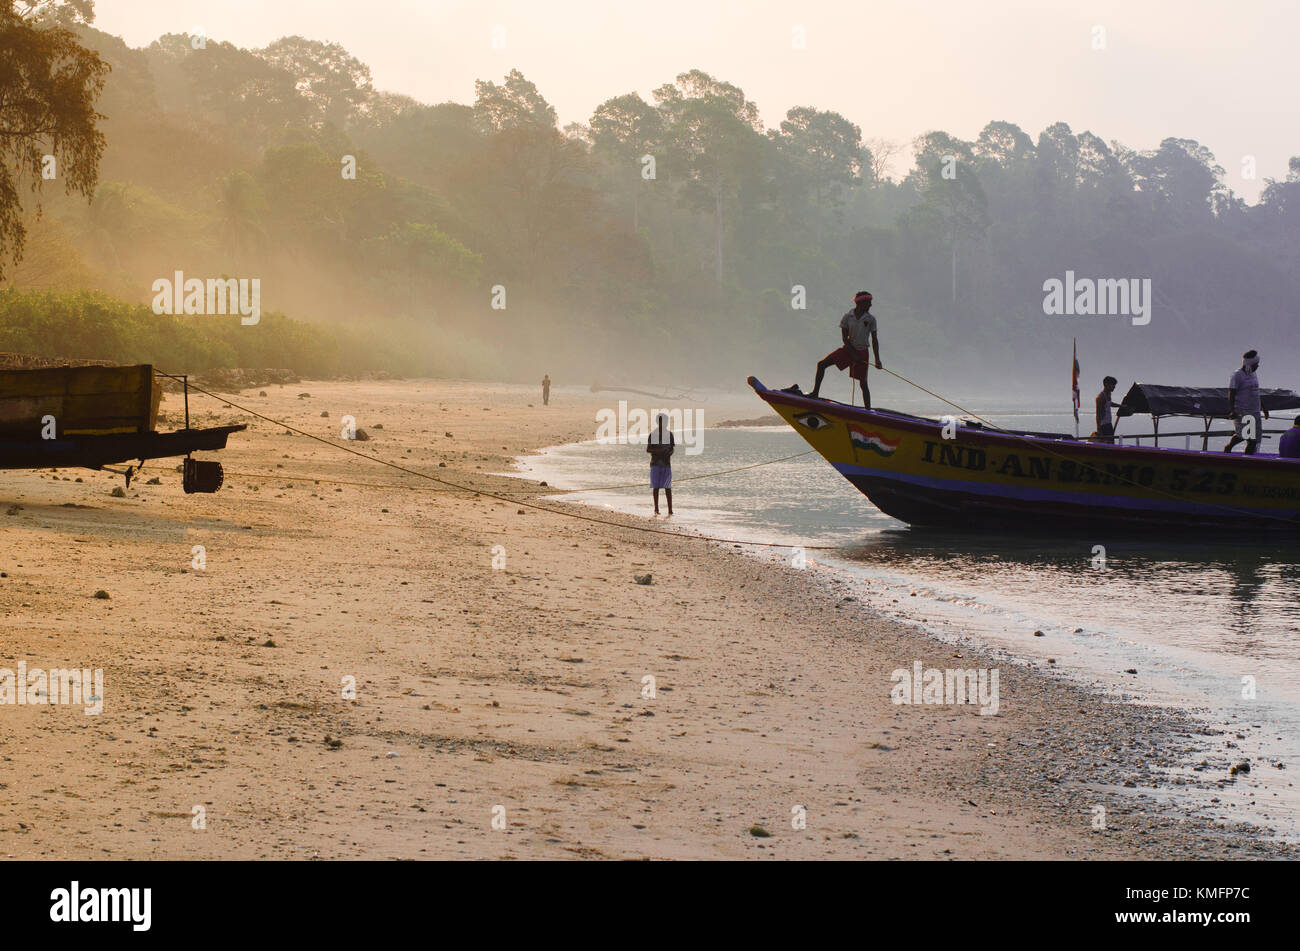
point(673, 223)
point(48, 86)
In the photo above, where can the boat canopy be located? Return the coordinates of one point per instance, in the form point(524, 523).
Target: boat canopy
point(1205, 401)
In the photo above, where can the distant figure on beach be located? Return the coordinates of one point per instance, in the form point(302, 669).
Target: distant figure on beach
point(858, 332)
point(546, 390)
point(1105, 424)
point(1288, 446)
point(1244, 407)
point(660, 446)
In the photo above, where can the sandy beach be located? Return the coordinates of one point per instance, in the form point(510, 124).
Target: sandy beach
point(499, 710)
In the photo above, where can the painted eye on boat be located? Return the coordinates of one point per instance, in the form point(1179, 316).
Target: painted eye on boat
point(812, 421)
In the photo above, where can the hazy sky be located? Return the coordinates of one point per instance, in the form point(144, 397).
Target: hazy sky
point(1221, 74)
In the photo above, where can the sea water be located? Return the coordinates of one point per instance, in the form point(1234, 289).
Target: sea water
point(1212, 626)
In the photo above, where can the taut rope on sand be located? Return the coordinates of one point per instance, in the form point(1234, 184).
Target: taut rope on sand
point(506, 498)
point(554, 491)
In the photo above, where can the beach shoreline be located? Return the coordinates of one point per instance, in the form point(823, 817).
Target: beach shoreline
point(498, 655)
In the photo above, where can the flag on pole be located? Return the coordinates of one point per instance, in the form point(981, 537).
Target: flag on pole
point(1074, 380)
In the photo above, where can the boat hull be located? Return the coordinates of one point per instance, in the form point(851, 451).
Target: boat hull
point(78, 401)
point(95, 452)
point(923, 473)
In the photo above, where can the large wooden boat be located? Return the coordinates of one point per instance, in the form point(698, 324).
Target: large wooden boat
point(95, 417)
point(963, 474)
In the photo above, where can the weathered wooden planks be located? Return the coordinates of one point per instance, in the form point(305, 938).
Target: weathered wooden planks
point(86, 400)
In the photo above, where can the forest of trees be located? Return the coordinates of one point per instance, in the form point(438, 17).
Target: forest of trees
point(661, 240)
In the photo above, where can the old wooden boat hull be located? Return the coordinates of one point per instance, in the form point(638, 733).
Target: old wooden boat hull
point(986, 478)
point(78, 401)
point(94, 417)
point(95, 452)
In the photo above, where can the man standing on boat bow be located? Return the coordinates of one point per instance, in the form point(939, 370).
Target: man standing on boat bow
point(858, 332)
point(1244, 407)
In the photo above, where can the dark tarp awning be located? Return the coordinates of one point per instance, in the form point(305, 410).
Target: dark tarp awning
point(1207, 401)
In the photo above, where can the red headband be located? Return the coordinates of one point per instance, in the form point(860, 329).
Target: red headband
point(861, 297)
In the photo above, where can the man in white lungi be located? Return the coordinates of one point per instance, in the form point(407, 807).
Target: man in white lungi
point(1244, 407)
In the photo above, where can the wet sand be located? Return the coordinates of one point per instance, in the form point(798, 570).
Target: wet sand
point(513, 693)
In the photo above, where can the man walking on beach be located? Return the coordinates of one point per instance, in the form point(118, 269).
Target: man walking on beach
point(1105, 425)
point(546, 389)
point(858, 332)
point(660, 446)
point(1244, 407)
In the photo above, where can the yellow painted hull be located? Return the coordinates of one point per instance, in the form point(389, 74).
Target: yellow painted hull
point(922, 472)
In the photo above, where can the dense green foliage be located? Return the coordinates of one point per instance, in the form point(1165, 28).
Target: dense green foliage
point(222, 160)
point(93, 325)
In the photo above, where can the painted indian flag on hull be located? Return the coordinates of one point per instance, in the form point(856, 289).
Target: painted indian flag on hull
point(866, 439)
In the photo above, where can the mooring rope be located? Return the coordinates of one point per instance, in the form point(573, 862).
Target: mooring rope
point(505, 498)
point(554, 491)
point(1037, 444)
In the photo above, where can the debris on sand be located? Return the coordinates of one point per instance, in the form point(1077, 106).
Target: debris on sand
point(238, 379)
point(643, 579)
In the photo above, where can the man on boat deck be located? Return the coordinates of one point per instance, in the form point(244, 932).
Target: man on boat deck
point(858, 332)
point(1105, 425)
point(1244, 407)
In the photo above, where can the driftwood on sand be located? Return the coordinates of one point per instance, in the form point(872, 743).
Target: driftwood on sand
point(684, 395)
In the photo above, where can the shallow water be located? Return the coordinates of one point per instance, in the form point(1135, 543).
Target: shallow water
point(1195, 619)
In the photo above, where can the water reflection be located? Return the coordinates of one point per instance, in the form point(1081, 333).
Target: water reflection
point(1241, 598)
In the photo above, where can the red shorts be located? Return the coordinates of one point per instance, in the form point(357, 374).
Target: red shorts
point(854, 360)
